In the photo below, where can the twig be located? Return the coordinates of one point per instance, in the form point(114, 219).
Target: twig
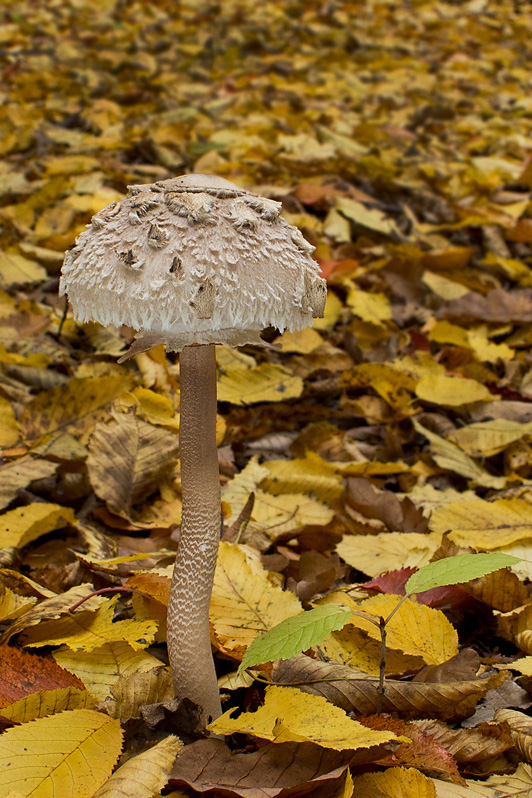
point(114, 590)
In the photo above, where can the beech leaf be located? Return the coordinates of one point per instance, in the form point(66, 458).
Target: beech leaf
point(456, 570)
point(295, 635)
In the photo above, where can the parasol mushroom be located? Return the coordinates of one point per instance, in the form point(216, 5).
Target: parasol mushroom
point(192, 262)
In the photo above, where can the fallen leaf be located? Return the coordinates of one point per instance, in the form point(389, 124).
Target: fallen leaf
point(244, 603)
point(128, 458)
point(450, 701)
point(288, 715)
point(24, 524)
point(395, 783)
point(87, 630)
point(100, 669)
point(70, 754)
point(264, 383)
point(144, 774)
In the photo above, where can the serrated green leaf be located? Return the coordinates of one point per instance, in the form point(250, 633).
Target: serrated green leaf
point(456, 570)
point(296, 634)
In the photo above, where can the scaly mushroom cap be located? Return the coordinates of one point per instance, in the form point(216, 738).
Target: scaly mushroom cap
point(193, 260)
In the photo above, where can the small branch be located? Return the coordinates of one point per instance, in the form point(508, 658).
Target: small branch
point(399, 604)
point(114, 590)
point(382, 669)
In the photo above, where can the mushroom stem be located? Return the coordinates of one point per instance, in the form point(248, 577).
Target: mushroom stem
point(189, 646)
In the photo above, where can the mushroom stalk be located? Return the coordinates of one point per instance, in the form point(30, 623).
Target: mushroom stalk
point(189, 646)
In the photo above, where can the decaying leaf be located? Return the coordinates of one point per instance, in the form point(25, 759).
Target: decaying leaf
point(449, 701)
point(128, 458)
point(100, 669)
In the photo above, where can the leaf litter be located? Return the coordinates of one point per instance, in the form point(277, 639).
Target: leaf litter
point(393, 435)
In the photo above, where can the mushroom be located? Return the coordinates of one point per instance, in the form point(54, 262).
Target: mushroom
point(192, 262)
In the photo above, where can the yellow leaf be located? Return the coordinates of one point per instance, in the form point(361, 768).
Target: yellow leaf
point(156, 408)
point(11, 604)
point(372, 219)
point(68, 755)
point(387, 551)
point(450, 457)
point(52, 607)
point(16, 269)
point(19, 474)
point(71, 164)
point(228, 359)
point(516, 785)
point(396, 782)
point(351, 646)
point(484, 525)
point(289, 715)
point(451, 391)
point(302, 342)
point(244, 603)
point(309, 475)
point(130, 693)
point(101, 668)
point(485, 350)
point(373, 308)
point(128, 459)
point(443, 332)
point(20, 526)
point(487, 438)
point(337, 227)
point(47, 702)
point(414, 629)
point(9, 431)
point(271, 515)
point(78, 404)
point(144, 774)
point(523, 665)
point(443, 287)
point(517, 627)
point(264, 383)
point(395, 386)
point(331, 314)
point(476, 340)
point(85, 631)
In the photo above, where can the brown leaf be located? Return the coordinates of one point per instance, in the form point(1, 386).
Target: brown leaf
point(22, 674)
point(520, 730)
point(398, 515)
point(497, 306)
point(278, 770)
point(452, 701)
point(423, 752)
point(469, 745)
point(20, 474)
point(502, 590)
point(128, 458)
point(462, 667)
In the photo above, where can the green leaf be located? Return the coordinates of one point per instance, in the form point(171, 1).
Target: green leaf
point(456, 570)
point(296, 634)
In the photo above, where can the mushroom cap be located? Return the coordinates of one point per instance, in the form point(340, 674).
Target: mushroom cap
point(193, 260)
